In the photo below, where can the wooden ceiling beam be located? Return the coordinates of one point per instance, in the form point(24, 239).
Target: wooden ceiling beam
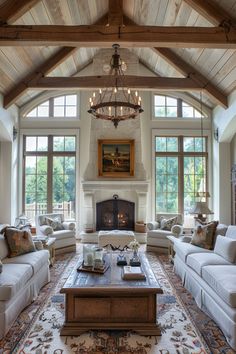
point(189, 71)
point(211, 11)
point(11, 10)
point(115, 13)
point(42, 70)
point(126, 36)
point(49, 65)
point(134, 82)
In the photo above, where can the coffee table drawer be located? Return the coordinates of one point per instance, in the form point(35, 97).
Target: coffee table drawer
point(109, 309)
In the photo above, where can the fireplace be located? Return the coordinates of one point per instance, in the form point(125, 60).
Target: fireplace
point(115, 214)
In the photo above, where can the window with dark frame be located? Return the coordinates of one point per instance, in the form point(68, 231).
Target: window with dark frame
point(49, 175)
point(180, 172)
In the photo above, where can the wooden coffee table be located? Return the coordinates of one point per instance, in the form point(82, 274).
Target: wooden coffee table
point(106, 301)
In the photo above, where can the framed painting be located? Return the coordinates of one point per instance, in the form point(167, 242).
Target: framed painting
point(115, 158)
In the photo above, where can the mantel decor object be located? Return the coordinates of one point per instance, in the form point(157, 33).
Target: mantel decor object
point(115, 158)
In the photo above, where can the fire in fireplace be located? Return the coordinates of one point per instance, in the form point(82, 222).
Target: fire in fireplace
point(115, 214)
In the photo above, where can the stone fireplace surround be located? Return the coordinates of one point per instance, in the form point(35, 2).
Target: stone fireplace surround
point(97, 191)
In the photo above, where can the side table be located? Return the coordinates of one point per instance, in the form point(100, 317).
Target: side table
point(50, 246)
point(171, 252)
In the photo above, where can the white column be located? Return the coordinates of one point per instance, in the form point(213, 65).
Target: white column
point(88, 210)
point(141, 213)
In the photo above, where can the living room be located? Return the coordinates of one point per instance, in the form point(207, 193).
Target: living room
point(62, 154)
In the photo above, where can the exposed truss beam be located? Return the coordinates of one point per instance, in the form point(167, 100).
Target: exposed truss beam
point(126, 36)
point(211, 11)
point(11, 10)
point(135, 82)
point(44, 69)
point(115, 13)
point(189, 71)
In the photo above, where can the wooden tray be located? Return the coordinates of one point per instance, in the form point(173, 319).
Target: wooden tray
point(102, 270)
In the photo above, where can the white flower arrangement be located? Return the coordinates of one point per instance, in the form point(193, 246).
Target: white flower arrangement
point(134, 245)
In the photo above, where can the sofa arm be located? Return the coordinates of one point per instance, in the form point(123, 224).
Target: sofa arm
point(153, 225)
point(68, 225)
point(46, 230)
point(185, 238)
point(177, 230)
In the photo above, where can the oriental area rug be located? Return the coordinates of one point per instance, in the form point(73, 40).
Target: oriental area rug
point(185, 328)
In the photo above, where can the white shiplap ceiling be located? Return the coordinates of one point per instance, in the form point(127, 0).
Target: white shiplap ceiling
point(217, 65)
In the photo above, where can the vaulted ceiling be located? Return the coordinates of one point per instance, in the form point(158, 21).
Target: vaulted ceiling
point(189, 44)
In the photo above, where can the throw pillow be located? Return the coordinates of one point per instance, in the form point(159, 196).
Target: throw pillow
point(211, 228)
point(226, 248)
point(166, 224)
point(19, 242)
point(0, 266)
point(55, 223)
point(203, 235)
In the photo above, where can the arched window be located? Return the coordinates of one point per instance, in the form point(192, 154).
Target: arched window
point(56, 107)
point(170, 107)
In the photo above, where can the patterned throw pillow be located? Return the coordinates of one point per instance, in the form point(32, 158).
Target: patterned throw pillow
point(55, 223)
point(166, 224)
point(204, 235)
point(19, 242)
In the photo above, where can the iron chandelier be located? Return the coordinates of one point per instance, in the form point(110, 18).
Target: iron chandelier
point(116, 102)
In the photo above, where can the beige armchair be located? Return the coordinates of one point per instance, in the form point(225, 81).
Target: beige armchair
point(157, 233)
point(53, 225)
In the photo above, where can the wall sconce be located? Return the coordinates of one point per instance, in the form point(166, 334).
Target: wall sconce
point(14, 133)
point(216, 134)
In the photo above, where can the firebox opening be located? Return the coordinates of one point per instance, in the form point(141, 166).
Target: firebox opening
point(115, 214)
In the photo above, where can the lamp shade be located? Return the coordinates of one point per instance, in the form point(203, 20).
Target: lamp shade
point(201, 208)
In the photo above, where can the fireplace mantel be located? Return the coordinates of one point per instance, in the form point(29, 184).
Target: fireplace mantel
point(98, 190)
point(127, 185)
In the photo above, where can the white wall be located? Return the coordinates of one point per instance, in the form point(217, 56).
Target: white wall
point(224, 154)
point(8, 164)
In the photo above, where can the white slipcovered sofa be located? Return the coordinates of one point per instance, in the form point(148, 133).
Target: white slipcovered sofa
point(157, 240)
point(65, 238)
point(21, 279)
point(210, 276)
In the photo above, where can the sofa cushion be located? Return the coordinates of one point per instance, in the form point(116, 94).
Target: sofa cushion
point(35, 259)
point(184, 249)
point(231, 231)
point(197, 261)
point(226, 248)
point(13, 279)
point(19, 241)
point(61, 234)
point(204, 235)
point(222, 279)
point(3, 247)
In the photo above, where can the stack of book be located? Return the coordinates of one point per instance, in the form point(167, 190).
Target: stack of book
point(133, 273)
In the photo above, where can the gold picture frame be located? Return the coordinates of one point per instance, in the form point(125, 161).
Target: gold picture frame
point(115, 158)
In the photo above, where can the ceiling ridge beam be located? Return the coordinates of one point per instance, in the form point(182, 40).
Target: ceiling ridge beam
point(212, 12)
point(126, 36)
point(115, 13)
point(12, 10)
point(139, 82)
